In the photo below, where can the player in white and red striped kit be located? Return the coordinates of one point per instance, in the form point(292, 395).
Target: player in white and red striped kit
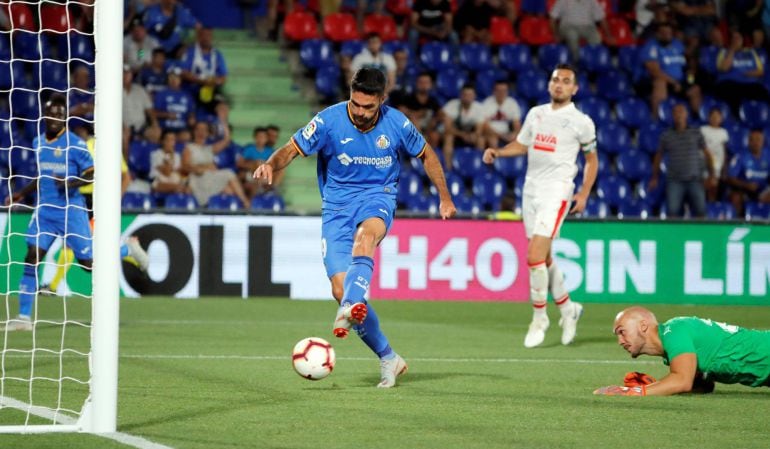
point(551, 137)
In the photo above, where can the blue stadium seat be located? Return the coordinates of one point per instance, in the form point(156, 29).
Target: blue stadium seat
point(394, 46)
point(26, 45)
point(486, 79)
point(596, 208)
point(181, 201)
point(467, 162)
point(549, 55)
point(518, 187)
point(649, 136)
point(436, 56)
point(53, 74)
point(633, 208)
point(634, 165)
point(489, 188)
point(25, 104)
point(5, 46)
point(738, 137)
point(628, 59)
point(511, 167)
point(455, 184)
point(584, 84)
point(423, 204)
point(754, 114)
point(632, 112)
point(226, 158)
point(327, 81)
point(468, 204)
point(409, 185)
point(514, 57)
point(476, 57)
point(710, 103)
point(532, 84)
point(268, 202)
point(613, 138)
point(757, 211)
point(720, 210)
point(81, 46)
point(613, 190)
point(652, 197)
point(707, 58)
point(666, 110)
point(351, 48)
point(595, 58)
point(224, 201)
point(596, 108)
point(614, 85)
point(6, 78)
point(316, 53)
point(449, 82)
point(137, 200)
point(139, 158)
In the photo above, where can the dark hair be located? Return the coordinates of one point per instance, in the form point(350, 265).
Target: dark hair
point(566, 66)
point(158, 50)
point(468, 86)
point(259, 129)
point(272, 127)
point(373, 35)
point(166, 133)
point(715, 109)
point(428, 74)
point(369, 81)
point(501, 81)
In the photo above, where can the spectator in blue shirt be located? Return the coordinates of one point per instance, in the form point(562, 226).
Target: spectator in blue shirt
point(81, 101)
point(740, 73)
point(665, 71)
point(204, 70)
point(155, 77)
point(174, 107)
point(748, 173)
point(254, 155)
point(168, 22)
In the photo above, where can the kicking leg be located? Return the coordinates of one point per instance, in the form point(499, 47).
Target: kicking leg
point(27, 290)
point(537, 253)
point(570, 310)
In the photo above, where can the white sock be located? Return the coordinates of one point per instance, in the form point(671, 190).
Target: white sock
point(538, 287)
point(558, 291)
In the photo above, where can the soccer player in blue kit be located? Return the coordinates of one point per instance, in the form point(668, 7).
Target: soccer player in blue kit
point(358, 143)
point(64, 165)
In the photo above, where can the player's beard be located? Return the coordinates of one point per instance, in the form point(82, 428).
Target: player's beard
point(364, 122)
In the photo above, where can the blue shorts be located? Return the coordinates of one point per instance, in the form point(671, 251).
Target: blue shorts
point(73, 226)
point(339, 224)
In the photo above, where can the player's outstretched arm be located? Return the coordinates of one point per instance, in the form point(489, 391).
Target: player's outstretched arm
point(679, 380)
point(436, 175)
point(277, 161)
point(589, 177)
point(514, 148)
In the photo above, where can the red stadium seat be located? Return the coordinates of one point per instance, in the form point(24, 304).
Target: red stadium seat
point(340, 27)
point(621, 31)
point(535, 31)
point(382, 24)
point(55, 18)
point(20, 16)
point(399, 8)
point(607, 7)
point(300, 26)
point(501, 30)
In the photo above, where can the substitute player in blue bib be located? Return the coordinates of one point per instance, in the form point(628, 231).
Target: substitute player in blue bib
point(64, 165)
point(358, 143)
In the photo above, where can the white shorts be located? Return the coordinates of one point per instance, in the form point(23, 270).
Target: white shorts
point(544, 208)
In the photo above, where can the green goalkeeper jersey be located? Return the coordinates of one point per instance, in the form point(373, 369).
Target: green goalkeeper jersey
point(726, 353)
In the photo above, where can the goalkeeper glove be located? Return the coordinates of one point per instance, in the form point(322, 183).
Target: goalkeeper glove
point(636, 379)
point(614, 390)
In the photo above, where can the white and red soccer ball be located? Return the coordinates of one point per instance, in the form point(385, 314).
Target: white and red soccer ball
point(313, 358)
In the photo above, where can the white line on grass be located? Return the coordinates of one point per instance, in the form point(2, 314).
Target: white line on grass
point(59, 418)
point(369, 359)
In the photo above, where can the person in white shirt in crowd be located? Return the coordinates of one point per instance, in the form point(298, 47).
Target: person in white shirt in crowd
point(573, 20)
point(463, 123)
point(502, 114)
point(552, 136)
point(138, 46)
point(373, 56)
point(716, 138)
point(137, 105)
point(166, 167)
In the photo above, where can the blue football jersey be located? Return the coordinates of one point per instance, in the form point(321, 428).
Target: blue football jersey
point(746, 167)
point(65, 157)
point(352, 162)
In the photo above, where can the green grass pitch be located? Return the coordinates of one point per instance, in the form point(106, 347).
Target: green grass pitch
point(216, 373)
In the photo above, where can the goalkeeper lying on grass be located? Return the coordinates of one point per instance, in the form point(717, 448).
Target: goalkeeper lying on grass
point(698, 351)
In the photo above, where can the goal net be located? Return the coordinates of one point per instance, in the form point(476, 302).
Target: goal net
point(58, 370)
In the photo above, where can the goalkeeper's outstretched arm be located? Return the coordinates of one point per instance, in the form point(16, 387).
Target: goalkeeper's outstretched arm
point(277, 161)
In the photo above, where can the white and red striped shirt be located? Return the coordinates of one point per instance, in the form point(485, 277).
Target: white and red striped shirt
point(554, 138)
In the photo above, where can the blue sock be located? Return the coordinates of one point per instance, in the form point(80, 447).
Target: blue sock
point(356, 284)
point(28, 288)
point(123, 250)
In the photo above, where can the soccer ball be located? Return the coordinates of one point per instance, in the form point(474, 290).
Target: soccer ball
point(313, 358)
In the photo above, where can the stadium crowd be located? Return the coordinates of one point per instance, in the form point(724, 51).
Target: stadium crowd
point(466, 72)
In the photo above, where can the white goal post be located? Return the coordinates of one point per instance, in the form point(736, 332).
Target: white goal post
point(98, 412)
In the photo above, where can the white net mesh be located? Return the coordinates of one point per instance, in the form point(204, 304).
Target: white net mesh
point(46, 49)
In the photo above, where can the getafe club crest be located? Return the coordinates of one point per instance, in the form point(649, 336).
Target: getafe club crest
point(383, 142)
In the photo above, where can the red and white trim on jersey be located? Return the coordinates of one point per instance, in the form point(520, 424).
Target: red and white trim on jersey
point(559, 218)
